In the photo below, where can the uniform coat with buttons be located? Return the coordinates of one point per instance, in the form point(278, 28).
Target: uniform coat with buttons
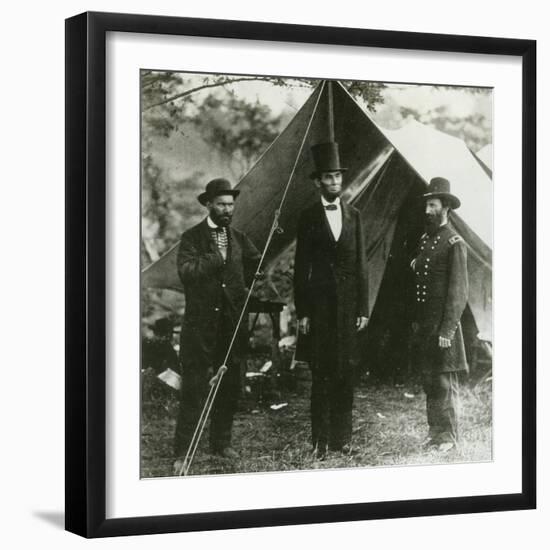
point(441, 294)
point(330, 288)
point(215, 292)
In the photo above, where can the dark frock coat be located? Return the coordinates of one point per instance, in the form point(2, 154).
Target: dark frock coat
point(215, 292)
point(211, 283)
point(328, 274)
point(441, 294)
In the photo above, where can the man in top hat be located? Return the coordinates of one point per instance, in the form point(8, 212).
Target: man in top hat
point(330, 293)
point(441, 293)
point(216, 263)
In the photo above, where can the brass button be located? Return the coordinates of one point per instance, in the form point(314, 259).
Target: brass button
point(223, 285)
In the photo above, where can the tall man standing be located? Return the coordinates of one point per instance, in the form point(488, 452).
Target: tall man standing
point(330, 293)
point(441, 283)
point(215, 264)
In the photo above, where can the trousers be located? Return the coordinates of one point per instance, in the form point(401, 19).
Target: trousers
point(442, 404)
point(331, 411)
point(194, 391)
point(331, 387)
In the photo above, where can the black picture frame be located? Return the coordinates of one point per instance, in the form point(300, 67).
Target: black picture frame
point(86, 269)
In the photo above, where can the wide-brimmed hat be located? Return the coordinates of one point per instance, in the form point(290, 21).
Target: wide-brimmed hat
point(326, 158)
point(216, 187)
point(439, 188)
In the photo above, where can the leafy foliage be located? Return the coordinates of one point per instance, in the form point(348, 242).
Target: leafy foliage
point(166, 206)
point(369, 92)
point(240, 130)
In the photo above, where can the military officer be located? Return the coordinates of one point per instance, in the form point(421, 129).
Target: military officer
point(441, 293)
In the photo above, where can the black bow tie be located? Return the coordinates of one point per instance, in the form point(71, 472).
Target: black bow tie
point(331, 207)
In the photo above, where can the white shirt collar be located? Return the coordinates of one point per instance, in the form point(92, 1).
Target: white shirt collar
point(210, 223)
point(326, 203)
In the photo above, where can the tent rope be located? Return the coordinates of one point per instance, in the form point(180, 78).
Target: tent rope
point(216, 381)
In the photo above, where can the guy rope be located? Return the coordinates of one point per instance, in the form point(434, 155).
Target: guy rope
point(216, 381)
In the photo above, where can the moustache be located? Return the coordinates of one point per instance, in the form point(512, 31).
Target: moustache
point(224, 219)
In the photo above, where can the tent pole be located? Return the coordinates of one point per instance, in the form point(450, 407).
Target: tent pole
point(330, 113)
point(215, 382)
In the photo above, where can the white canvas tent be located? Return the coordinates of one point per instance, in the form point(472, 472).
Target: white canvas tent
point(434, 153)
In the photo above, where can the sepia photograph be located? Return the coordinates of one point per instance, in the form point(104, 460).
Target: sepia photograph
point(316, 274)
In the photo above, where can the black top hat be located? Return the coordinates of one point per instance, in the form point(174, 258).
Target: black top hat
point(441, 188)
point(216, 187)
point(326, 159)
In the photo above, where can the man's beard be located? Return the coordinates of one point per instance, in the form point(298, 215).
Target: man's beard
point(330, 196)
point(433, 221)
point(223, 220)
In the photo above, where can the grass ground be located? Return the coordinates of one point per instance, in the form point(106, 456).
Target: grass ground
point(389, 426)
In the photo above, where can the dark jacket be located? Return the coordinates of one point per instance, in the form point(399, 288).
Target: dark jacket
point(210, 285)
point(440, 297)
point(330, 280)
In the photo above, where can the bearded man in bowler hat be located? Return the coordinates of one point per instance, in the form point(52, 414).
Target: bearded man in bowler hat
point(216, 263)
point(441, 284)
point(331, 298)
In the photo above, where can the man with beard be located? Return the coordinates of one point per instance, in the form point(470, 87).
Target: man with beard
point(330, 293)
point(441, 284)
point(215, 263)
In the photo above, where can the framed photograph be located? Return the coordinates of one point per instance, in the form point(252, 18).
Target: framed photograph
point(300, 274)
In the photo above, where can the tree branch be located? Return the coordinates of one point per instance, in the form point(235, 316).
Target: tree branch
point(146, 82)
point(204, 86)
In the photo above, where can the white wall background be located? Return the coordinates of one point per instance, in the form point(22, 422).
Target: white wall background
point(32, 302)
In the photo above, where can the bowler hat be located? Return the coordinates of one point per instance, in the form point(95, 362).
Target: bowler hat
point(326, 158)
point(216, 187)
point(440, 188)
